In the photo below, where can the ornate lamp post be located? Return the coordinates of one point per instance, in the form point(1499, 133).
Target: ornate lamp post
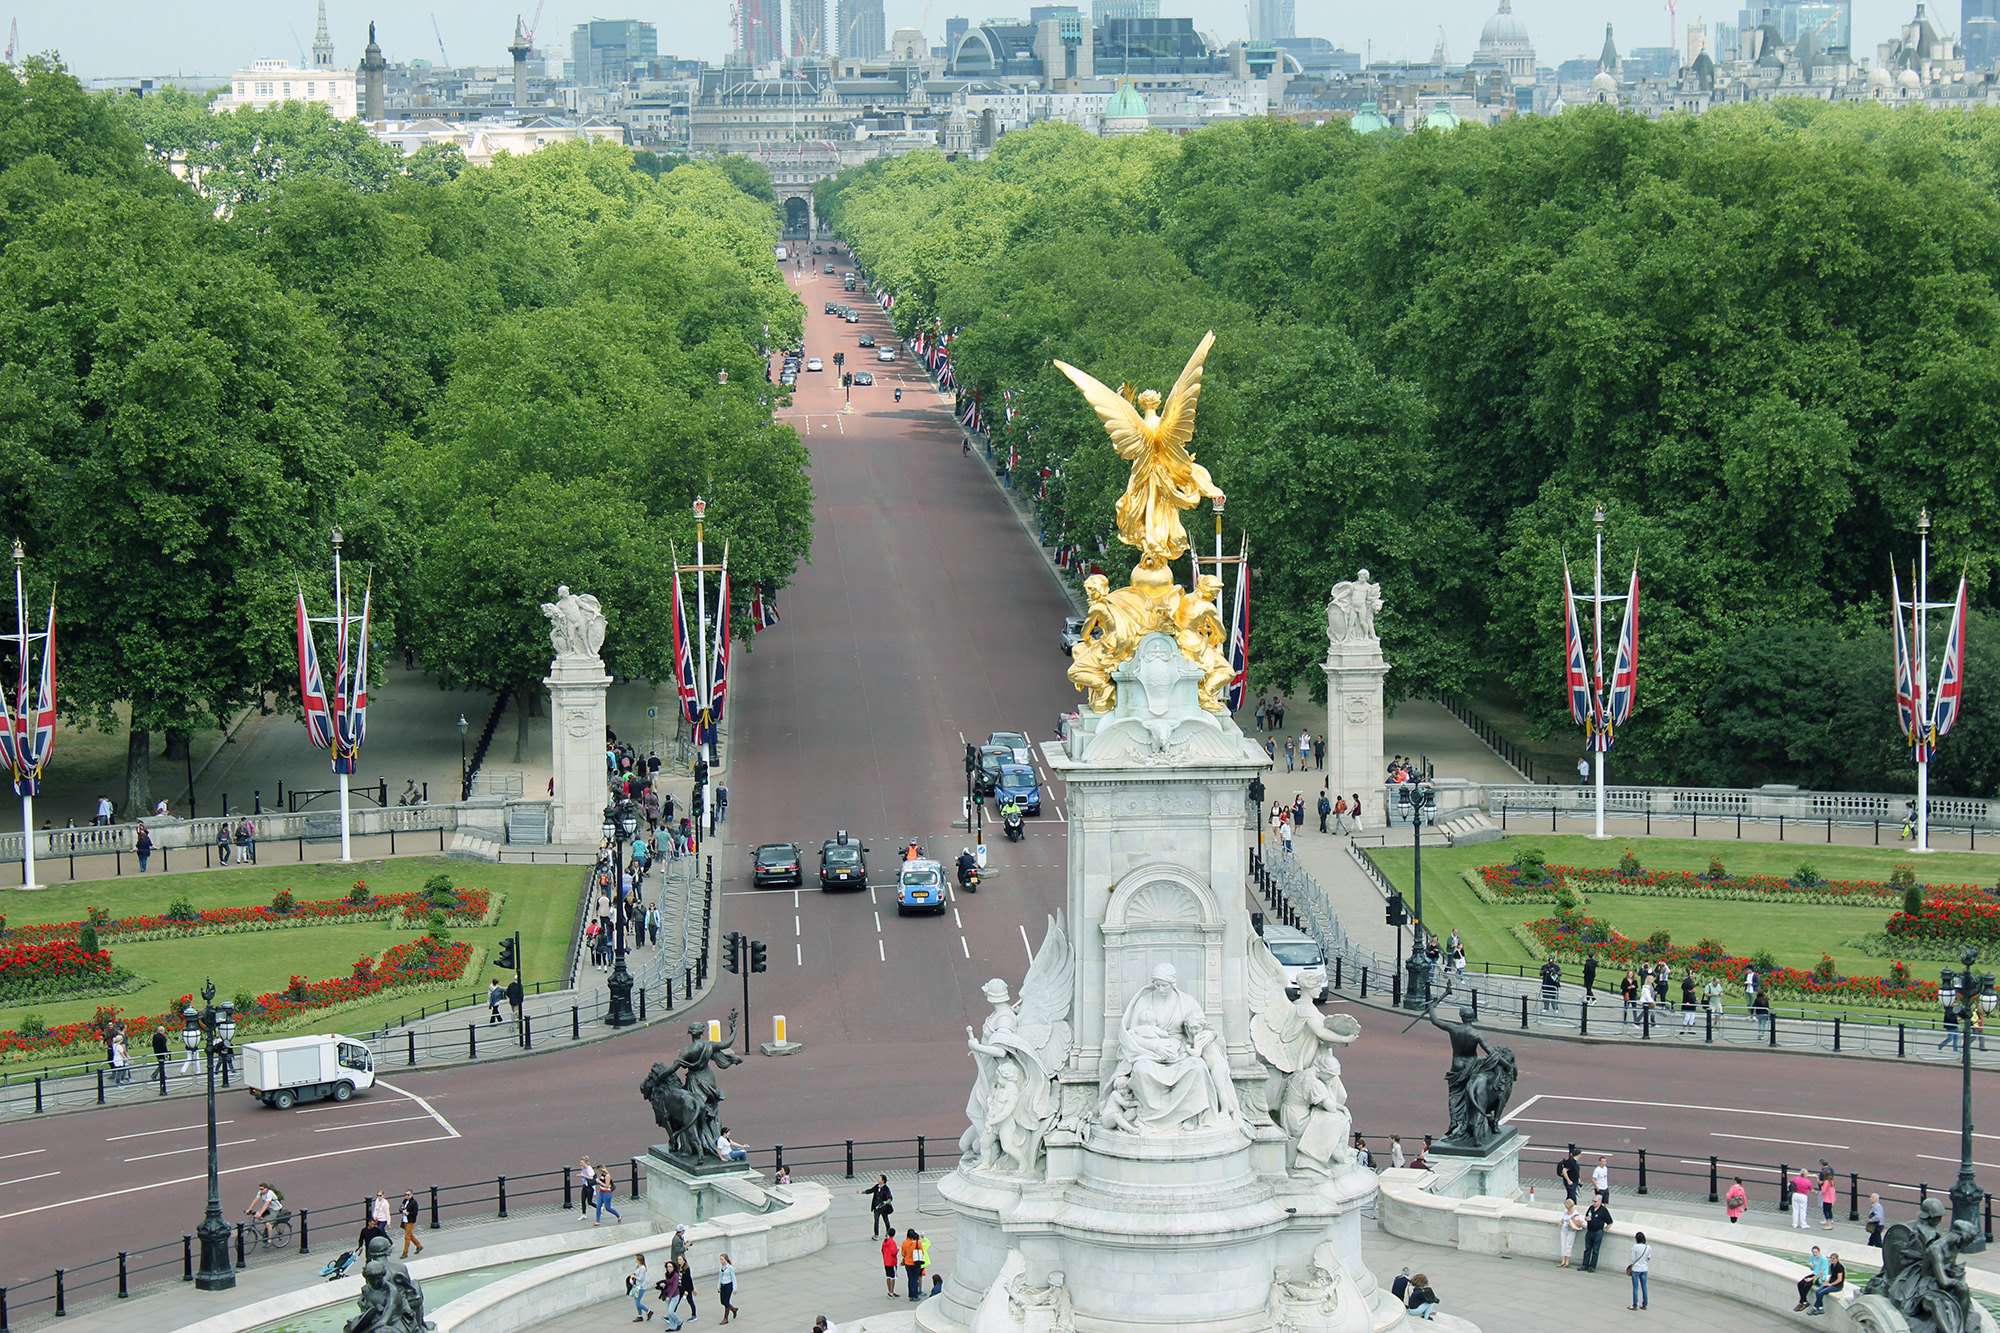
point(202, 1030)
point(620, 822)
point(1417, 967)
point(1958, 992)
point(464, 778)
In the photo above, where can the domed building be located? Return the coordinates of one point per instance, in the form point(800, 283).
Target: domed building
point(1126, 112)
point(1504, 43)
point(1442, 118)
point(1368, 120)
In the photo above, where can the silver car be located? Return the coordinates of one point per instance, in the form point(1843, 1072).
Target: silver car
point(1072, 633)
point(1298, 953)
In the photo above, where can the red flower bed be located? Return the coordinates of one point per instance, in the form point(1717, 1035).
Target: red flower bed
point(1950, 919)
point(1500, 881)
point(1574, 935)
point(470, 905)
point(58, 960)
point(414, 963)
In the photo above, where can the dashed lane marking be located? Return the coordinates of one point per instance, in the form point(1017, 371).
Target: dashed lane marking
point(22, 1180)
point(800, 951)
point(369, 1124)
point(1026, 945)
point(1796, 1143)
point(30, 1153)
point(198, 1147)
point(963, 945)
point(880, 954)
point(147, 1133)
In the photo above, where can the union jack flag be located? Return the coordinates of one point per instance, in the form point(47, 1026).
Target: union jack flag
point(684, 660)
point(1625, 668)
point(1576, 670)
point(718, 686)
point(1951, 677)
point(351, 690)
point(1922, 747)
point(312, 685)
point(1906, 689)
point(763, 614)
point(32, 747)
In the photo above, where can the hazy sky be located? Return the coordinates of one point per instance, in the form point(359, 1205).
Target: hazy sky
point(109, 38)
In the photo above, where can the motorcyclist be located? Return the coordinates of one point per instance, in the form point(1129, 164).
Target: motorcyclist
point(913, 852)
point(967, 865)
point(899, 395)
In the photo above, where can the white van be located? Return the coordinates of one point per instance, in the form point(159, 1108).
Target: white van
point(294, 1069)
point(1298, 953)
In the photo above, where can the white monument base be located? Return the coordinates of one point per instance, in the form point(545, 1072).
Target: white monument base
point(1354, 670)
point(1495, 1173)
point(577, 686)
point(679, 1196)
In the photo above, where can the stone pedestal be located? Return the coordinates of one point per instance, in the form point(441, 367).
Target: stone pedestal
point(1200, 1225)
point(1354, 758)
point(577, 684)
point(678, 1194)
point(1494, 1173)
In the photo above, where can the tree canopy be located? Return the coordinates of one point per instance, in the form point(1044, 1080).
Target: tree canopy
point(1763, 338)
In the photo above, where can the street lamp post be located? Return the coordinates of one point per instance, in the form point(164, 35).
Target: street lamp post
point(620, 822)
point(1417, 967)
point(1958, 992)
point(464, 776)
point(202, 1030)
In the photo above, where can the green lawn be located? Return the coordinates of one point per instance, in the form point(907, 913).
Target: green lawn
point(1795, 934)
point(541, 905)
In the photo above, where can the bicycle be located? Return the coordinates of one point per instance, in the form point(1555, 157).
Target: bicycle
point(280, 1227)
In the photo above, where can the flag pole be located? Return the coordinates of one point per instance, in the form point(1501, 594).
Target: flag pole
point(1217, 502)
point(27, 795)
point(1597, 644)
point(339, 610)
point(1920, 603)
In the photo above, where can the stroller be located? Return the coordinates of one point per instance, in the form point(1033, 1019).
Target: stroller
point(337, 1267)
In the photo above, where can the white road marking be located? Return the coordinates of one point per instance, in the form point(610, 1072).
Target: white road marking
point(878, 923)
point(879, 953)
point(365, 1124)
point(1025, 945)
point(800, 950)
point(963, 945)
point(795, 900)
point(1796, 1143)
point(226, 1171)
point(145, 1133)
point(1587, 1124)
point(443, 1123)
point(956, 919)
point(22, 1180)
point(797, 929)
point(199, 1147)
point(30, 1153)
point(1735, 1110)
point(1928, 1158)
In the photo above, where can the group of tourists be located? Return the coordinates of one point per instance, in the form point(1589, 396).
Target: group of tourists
point(1288, 820)
point(620, 890)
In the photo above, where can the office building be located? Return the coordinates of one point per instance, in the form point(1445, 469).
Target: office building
point(266, 83)
point(1979, 32)
point(863, 33)
point(1123, 9)
point(605, 53)
point(1271, 20)
point(808, 28)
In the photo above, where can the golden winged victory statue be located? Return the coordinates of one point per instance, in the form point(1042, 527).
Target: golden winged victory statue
point(1165, 481)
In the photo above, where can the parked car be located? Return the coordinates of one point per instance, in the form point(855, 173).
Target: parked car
point(1017, 782)
point(843, 863)
point(813, 363)
point(777, 863)
point(1014, 741)
point(1298, 953)
point(1072, 633)
point(920, 888)
point(867, 340)
point(862, 379)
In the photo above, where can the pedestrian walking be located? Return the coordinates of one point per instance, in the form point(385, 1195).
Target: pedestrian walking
point(411, 1211)
point(1642, 1261)
point(881, 1207)
point(587, 1188)
point(721, 803)
point(1305, 750)
point(1600, 1179)
point(1687, 1000)
point(1325, 809)
point(1340, 815)
point(222, 843)
point(725, 1287)
point(1285, 835)
point(1572, 1222)
point(1595, 1220)
point(1736, 1199)
point(516, 994)
point(635, 1287)
point(913, 1263)
point(1590, 978)
point(1354, 810)
point(1298, 810)
point(120, 1062)
point(1628, 992)
point(1713, 990)
point(1570, 1172)
point(1583, 771)
point(1551, 986)
point(1878, 1218)
point(889, 1261)
point(686, 1273)
point(1319, 753)
point(606, 1190)
point(376, 1223)
point(142, 847)
point(1260, 715)
point(1646, 999)
point(1290, 745)
point(1802, 1191)
point(495, 994)
point(1762, 1008)
point(160, 1052)
point(1816, 1272)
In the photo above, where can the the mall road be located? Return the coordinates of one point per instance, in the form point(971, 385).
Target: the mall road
point(926, 616)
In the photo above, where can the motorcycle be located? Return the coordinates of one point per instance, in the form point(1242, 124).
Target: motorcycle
point(968, 879)
point(1015, 829)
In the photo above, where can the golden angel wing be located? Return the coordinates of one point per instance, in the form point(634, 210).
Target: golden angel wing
point(1177, 417)
point(1121, 420)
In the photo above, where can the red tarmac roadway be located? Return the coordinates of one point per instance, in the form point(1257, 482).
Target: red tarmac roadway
point(925, 619)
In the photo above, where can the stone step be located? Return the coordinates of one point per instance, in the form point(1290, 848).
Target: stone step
point(1468, 828)
point(466, 846)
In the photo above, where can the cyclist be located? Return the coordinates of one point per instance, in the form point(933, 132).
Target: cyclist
point(267, 1206)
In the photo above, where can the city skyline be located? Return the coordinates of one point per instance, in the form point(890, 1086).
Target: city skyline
point(105, 39)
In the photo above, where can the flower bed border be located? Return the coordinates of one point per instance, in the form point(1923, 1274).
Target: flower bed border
point(1692, 885)
point(386, 909)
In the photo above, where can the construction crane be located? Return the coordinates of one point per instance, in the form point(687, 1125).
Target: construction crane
point(1672, 15)
point(439, 34)
point(13, 39)
point(296, 42)
point(534, 23)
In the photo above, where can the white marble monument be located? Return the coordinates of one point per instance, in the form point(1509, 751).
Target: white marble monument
point(1158, 1136)
point(1354, 671)
point(577, 683)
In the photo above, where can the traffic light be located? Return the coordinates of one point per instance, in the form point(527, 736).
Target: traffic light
point(1257, 792)
point(1395, 915)
point(732, 952)
point(509, 958)
point(757, 956)
point(695, 804)
point(700, 771)
point(971, 756)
